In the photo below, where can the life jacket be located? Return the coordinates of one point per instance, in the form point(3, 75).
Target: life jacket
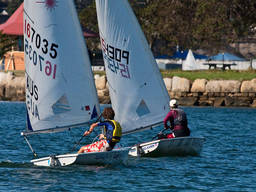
point(116, 134)
point(181, 118)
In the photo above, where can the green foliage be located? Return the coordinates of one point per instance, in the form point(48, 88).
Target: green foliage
point(211, 74)
point(88, 20)
point(13, 5)
point(213, 26)
point(196, 24)
point(6, 43)
point(192, 75)
point(81, 4)
point(88, 17)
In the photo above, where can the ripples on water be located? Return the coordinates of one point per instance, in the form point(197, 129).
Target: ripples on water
point(227, 162)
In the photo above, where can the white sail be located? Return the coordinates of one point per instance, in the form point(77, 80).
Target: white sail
point(60, 89)
point(190, 62)
point(138, 94)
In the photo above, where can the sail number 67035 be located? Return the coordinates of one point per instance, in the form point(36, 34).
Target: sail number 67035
point(46, 47)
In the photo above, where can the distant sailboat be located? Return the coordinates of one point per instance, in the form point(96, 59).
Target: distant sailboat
point(138, 93)
point(60, 89)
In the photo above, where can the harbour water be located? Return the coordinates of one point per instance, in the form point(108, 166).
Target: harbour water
point(227, 161)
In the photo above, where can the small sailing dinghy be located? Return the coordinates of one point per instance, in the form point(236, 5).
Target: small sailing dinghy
point(60, 89)
point(137, 91)
point(180, 146)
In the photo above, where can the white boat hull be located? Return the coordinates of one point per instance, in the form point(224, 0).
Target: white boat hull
point(93, 158)
point(168, 147)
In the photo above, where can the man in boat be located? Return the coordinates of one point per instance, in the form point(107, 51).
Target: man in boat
point(108, 140)
point(177, 119)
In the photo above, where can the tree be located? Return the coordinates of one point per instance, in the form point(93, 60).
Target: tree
point(13, 5)
point(88, 17)
point(168, 20)
point(88, 20)
point(81, 4)
point(242, 16)
point(213, 28)
point(197, 24)
point(6, 43)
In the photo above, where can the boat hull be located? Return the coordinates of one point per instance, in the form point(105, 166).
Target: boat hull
point(115, 156)
point(180, 146)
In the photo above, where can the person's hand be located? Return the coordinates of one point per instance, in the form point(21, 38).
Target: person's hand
point(87, 133)
point(101, 136)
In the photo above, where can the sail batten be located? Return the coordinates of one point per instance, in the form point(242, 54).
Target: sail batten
point(137, 91)
point(60, 89)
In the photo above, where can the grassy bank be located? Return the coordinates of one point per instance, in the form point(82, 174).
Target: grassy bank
point(211, 74)
point(207, 74)
point(192, 75)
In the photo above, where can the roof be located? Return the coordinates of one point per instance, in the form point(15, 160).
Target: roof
point(226, 57)
point(14, 25)
point(183, 55)
point(163, 57)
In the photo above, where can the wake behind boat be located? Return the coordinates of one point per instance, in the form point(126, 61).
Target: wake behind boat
point(60, 89)
point(137, 91)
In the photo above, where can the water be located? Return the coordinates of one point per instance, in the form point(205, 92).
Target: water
point(227, 162)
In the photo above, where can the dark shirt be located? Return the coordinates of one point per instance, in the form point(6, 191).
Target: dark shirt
point(178, 122)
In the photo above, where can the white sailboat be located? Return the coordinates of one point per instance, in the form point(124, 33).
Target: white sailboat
point(137, 91)
point(60, 89)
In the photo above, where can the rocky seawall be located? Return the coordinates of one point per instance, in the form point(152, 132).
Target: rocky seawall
point(201, 92)
point(11, 88)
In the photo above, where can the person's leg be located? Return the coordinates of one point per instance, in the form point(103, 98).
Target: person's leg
point(171, 135)
point(94, 147)
point(82, 149)
point(86, 148)
point(104, 146)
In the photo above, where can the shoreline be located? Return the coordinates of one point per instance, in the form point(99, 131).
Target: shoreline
point(182, 106)
point(200, 92)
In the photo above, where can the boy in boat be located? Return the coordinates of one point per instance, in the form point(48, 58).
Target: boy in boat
point(178, 122)
point(112, 133)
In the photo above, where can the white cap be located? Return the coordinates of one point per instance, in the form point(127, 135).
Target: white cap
point(173, 103)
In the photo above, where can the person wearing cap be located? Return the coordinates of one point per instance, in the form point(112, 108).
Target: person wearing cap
point(177, 120)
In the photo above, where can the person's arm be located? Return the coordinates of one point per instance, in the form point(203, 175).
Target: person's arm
point(91, 129)
point(101, 136)
point(166, 119)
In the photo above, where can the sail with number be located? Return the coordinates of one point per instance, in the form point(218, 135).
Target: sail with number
point(60, 89)
point(138, 94)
